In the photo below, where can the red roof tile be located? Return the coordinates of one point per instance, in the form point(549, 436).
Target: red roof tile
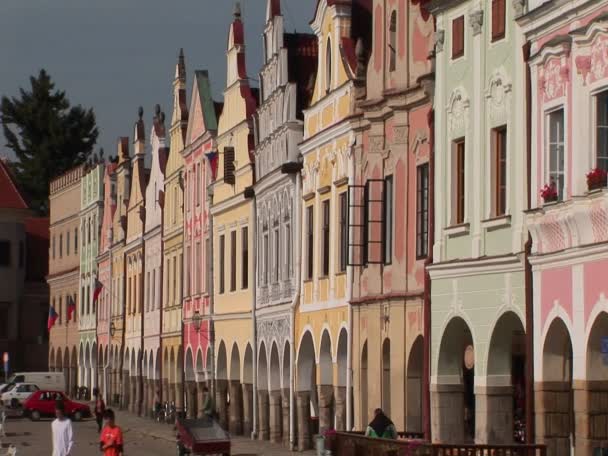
point(10, 197)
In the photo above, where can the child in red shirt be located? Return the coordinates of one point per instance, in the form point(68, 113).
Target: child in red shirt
point(111, 442)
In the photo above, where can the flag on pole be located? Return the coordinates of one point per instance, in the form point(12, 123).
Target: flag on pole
point(71, 307)
point(52, 318)
point(97, 290)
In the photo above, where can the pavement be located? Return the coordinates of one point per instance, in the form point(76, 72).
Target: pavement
point(143, 437)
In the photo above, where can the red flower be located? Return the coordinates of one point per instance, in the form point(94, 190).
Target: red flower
point(549, 192)
point(596, 178)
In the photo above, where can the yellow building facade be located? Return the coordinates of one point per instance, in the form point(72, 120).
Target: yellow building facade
point(119, 370)
point(173, 260)
point(233, 222)
point(322, 317)
point(134, 262)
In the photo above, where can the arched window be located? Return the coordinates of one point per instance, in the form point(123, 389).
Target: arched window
point(392, 42)
point(328, 66)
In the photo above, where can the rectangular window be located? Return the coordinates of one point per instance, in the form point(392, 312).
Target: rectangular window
point(388, 219)
point(343, 231)
point(61, 246)
point(188, 271)
point(288, 248)
point(180, 289)
point(422, 210)
point(266, 258)
point(458, 37)
point(153, 290)
point(4, 317)
point(53, 247)
point(459, 181)
point(245, 258)
point(556, 151)
point(499, 173)
point(60, 310)
point(174, 300)
point(222, 263)
point(601, 148)
point(5, 253)
point(67, 243)
point(233, 261)
point(148, 291)
point(229, 167)
point(208, 265)
point(498, 19)
point(197, 268)
point(326, 251)
point(199, 178)
point(310, 239)
point(277, 253)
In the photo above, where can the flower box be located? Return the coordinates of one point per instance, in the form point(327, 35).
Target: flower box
point(596, 179)
point(549, 193)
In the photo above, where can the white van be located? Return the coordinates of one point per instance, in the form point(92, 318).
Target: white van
point(43, 380)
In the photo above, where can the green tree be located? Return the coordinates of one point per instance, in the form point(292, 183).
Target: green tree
point(47, 135)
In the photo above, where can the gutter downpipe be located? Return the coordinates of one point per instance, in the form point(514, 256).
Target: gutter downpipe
point(211, 326)
point(254, 430)
point(298, 228)
point(349, 297)
point(141, 407)
point(161, 290)
point(528, 280)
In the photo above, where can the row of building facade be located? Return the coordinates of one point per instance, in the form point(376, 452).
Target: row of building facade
point(365, 229)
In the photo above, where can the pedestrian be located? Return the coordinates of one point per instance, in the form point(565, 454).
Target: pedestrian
point(208, 403)
point(100, 407)
point(63, 437)
point(111, 442)
point(381, 426)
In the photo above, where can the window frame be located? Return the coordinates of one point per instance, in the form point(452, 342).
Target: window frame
point(458, 47)
point(603, 94)
point(343, 224)
point(498, 28)
point(244, 257)
point(233, 260)
point(310, 242)
point(459, 184)
point(392, 41)
point(222, 264)
point(422, 210)
point(8, 253)
point(325, 236)
point(388, 225)
point(499, 148)
point(560, 172)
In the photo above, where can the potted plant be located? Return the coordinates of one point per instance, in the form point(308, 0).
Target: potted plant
point(596, 178)
point(549, 193)
point(329, 436)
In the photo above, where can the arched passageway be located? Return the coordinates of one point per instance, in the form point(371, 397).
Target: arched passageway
point(247, 391)
point(386, 376)
point(285, 389)
point(363, 408)
point(325, 387)
point(306, 390)
point(221, 385)
point(274, 395)
point(235, 411)
point(340, 391)
point(263, 403)
point(454, 395)
point(413, 421)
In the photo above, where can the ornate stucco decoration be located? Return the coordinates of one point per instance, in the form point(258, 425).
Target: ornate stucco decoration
point(274, 329)
point(439, 40)
point(498, 96)
point(592, 47)
point(420, 139)
point(376, 143)
point(476, 21)
point(400, 134)
point(458, 112)
point(519, 7)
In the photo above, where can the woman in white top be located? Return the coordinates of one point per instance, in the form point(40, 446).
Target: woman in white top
point(63, 438)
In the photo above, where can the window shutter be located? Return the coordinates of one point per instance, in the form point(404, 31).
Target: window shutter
point(458, 37)
point(229, 165)
point(498, 19)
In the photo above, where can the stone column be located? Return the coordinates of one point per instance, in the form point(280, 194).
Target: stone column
point(132, 393)
point(125, 390)
point(179, 397)
point(200, 399)
point(494, 415)
point(553, 419)
point(221, 387)
point(191, 399)
point(166, 397)
point(326, 394)
point(447, 413)
point(303, 411)
point(140, 402)
point(340, 401)
point(285, 407)
point(590, 414)
point(145, 398)
point(263, 423)
point(276, 417)
point(236, 410)
point(247, 408)
point(114, 386)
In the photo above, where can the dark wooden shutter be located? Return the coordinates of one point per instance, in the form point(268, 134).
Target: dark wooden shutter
point(229, 165)
point(458, 37)
point(498, 19)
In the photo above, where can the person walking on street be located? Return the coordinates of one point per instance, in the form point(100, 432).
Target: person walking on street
point(100, 407)
point(381, 426)
point(63, 437)
point(110, 441)
point(208, 403)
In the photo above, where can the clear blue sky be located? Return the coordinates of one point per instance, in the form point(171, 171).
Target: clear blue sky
point(115, 55)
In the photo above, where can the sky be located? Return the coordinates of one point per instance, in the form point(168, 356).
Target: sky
point(117, 55)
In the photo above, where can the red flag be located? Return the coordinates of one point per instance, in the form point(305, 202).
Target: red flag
point(52, 318)
point(71, 307)
point(97, 290)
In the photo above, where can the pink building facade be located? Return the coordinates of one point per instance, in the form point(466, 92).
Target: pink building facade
point(568, 69)
point(199, 154)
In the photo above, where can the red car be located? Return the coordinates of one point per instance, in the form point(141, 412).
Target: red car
point(42, 403)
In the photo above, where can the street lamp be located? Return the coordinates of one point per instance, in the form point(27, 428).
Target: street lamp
point(112, 329)
point(197, 319)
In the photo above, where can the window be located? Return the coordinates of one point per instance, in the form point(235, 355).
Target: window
point(53, 247)
point(343, 231)
point(222, 260)
point(233, 261)
point(188, 270)
point(277, 252)
point(328, 66)
point(180, 289)
point(60, 313)
point(197, 268)
point(75, 240)
point(498, 19)
point(310, 239)
point(556, 151)
point(148, 291)
point(67, 243)
point(229, 167)
point(392, 42)
point(61, 246)
point(245, 258)
point(174, 289)
point(21, 254)
point(458, 37)
point(388, 220)
point(4, 317)
point(153, 290)
point(499, 173)
point(208, 276)
point(422, 210)
point(288, 248)
point(199, 178)
point(601, 148)
point(458, 186)
point(326, 251)
point(5, 253)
